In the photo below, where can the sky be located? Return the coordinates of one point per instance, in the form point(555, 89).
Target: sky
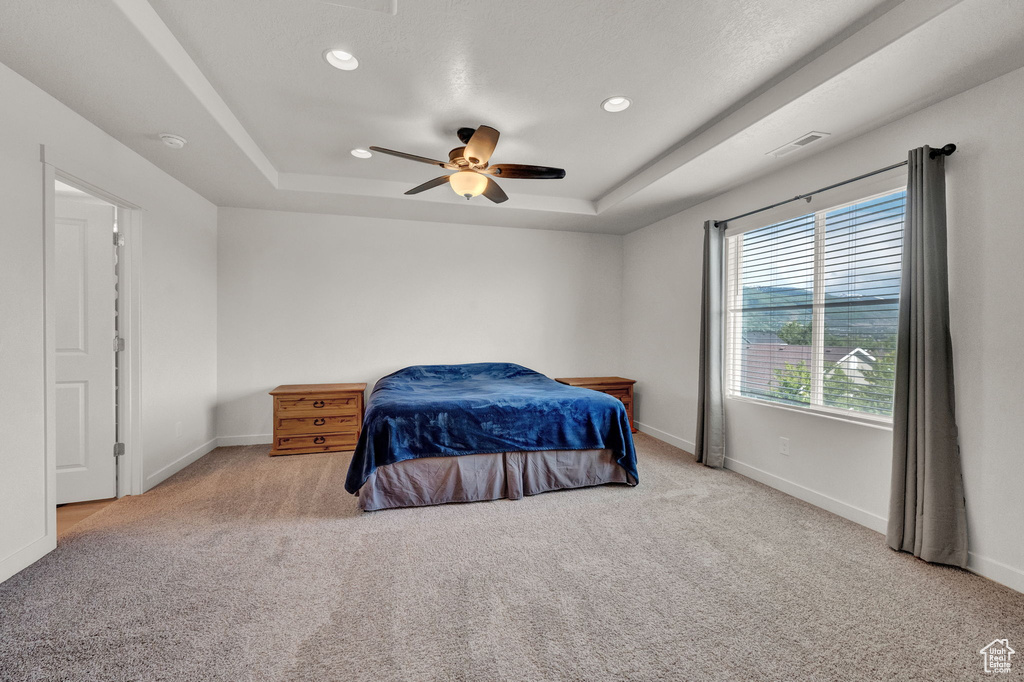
point(862, 250)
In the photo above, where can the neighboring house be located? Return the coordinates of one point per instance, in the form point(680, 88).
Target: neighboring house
point(761, 360)
point(853, 364)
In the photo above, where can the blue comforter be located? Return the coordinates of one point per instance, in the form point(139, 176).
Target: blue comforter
point(440, 410)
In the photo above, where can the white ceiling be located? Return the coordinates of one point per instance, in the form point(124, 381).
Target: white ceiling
point(715, 85)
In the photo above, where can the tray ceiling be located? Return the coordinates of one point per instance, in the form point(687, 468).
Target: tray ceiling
point(715, 86)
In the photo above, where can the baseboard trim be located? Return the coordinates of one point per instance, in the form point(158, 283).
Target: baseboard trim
point(257, 439)
point(26, 556)
point(847, 511)
point(996, 571)
point(666, 437)
point(177, 465)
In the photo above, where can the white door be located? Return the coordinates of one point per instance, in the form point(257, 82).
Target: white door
point(84, 298)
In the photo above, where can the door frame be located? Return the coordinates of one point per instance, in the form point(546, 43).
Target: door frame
point(129, 465)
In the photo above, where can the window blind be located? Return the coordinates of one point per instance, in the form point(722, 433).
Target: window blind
point(812, 308)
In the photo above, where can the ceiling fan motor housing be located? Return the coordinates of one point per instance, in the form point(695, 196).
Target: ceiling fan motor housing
point(472, 168)
point(455, 156)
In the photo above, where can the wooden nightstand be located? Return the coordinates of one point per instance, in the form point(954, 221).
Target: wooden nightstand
point(317, 418)
point(614, 386)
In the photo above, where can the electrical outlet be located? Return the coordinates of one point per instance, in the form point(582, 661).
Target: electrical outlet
point(177, 429)
point(784, 446)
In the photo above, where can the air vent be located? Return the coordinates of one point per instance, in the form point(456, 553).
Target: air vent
point(798, 143)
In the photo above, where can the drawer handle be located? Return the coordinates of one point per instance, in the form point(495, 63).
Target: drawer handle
point(318, 403)
point(319, 439)
point(319, 421)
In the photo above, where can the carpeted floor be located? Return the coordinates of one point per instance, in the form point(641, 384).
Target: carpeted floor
point(246, 567)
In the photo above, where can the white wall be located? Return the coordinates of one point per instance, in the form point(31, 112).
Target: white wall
point(317, 299)
point(176, 255)
point(841, 466)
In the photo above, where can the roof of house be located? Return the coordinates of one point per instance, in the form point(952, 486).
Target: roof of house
point(761, 360)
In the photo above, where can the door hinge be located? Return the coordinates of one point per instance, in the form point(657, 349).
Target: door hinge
point(118, 343)
point(118, 239)
point(118, 449)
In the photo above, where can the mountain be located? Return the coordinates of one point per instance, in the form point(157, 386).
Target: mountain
point(767, 308)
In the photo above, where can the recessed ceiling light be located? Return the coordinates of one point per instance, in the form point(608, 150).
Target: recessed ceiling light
point(172, 141)
point(616, 104)
point(361, 153)
point(340, 59)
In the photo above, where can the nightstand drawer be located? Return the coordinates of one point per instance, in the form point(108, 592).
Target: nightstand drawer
point(317, 418)
point(348, 423)
point(623, 394)
point(314, 406)
point(325, 443)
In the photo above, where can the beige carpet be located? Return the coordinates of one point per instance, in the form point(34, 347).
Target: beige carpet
point(246, 567)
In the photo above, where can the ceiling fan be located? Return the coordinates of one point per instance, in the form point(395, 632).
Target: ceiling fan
point(473, 174)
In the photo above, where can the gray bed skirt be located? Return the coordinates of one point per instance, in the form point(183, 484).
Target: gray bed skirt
point(473, 478)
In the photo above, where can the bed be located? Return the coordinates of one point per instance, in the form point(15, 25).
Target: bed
point(435, 434)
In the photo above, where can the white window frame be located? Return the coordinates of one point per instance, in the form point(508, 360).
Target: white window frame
point(733, 275)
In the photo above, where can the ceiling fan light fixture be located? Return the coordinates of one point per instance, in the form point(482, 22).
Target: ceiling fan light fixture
point(616, 104)
point(361, 153)
point(472, 167)
point(468, 183)
point(340, 59)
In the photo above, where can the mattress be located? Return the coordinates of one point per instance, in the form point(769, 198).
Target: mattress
point(431, 411)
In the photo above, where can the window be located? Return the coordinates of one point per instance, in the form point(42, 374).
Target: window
point(812, 308)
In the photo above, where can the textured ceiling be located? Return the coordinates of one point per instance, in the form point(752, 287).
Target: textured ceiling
point(536, 70)
point(715, 86)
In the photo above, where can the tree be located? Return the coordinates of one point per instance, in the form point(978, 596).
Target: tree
point(793, 383)
point(872, 391)
point(872, 394)
point(875, 394)
point(795, 333)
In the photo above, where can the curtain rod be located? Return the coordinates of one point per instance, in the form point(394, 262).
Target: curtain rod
point(945, 151)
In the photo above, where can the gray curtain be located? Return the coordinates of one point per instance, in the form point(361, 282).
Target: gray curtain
point(710, 440)
point(927, 515)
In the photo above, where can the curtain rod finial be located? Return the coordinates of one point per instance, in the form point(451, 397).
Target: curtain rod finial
point(945, 151)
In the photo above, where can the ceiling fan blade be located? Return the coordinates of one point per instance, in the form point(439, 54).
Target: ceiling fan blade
point(481, 145)
point(411, 157)
point(429, 184)
point(465, 134)
point(524, 172)
point(494, 193)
